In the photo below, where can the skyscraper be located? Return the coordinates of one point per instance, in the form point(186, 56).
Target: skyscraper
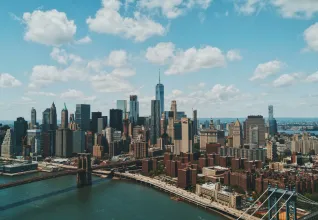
point(82, 116)
point(64, 118)
point(122, 105)
point(20, 131)
point(116, 119)
point(174, 109)
point(186, 130)
point(53, 117)
point(46, 120)
point(33, 117)
point(95, 117)
point(7, 150)
point(155, 121)
point(255, 125)
point(64, 143)
point(195, 122)
point(272, 123)
point(101, 124)
point(160, 95)
point(237, 134)
point(134, 109)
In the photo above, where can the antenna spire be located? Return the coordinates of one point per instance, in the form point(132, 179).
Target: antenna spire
point(159, 76)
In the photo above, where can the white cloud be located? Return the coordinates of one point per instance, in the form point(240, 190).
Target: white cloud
point(110, 83)
point(266, 69)
point(48, 27)
point(233, 55)
point(59, 55)
point(109, 21)
point(173, 8)
point(75, 94)
point(41, 93)
point(84, 40)
point(123, 72)
point(194, 59)
point(201, 17)
point(222, 93)
point(27, 99)
point(311, 37)
point(117, 58)
point(313, 77)
point(286, 80)
point(7, 81)
point(296, 8)
point(248, 7)
point(160, 53)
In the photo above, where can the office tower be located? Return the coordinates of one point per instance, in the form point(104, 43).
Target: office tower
point(237, 134)
point(122, 105)
point(20, 131)
point(7, 147)
point(78, 141)
point(134, 109)
point(251, 122)
point(253, 135)
point(89, 139)
point(155, 121)
point(272, 123)
point(186, 130)
point(177, 138)
point(95, 117)
point(72, 118)
point(195, 122)
point(45, 144)
point(33, 117)
point(46, 120)
point(34, 140)
point(160, 95)
point(162, 124)
point(53, 117)
point(272, 150)
point(64, 118)
point(64, 143)
point(82, 116)
point(170, 127)
point(174, 109)
point(109, 135)
point(116, 119)
point(101, 124)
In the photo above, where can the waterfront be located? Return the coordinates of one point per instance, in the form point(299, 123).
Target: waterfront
point(108, 199)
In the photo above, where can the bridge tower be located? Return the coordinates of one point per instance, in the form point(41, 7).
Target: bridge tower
point(278, 198)
point(84, 165)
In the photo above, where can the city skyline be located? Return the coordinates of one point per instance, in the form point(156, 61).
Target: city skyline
point(223, 65)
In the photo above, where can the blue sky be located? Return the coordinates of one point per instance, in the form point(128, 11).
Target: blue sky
point(226, 58)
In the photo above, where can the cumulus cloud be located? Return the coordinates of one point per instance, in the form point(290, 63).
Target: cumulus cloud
point(233, 55)
point(38, 93)
point(117, 58)
point(160, 53)
point(248, 7)
point(173, 8)
point(123, 72)
point(108, 20)
point(48, 27)
point(84, 40)
point(286, 80)
point(194, 59)
point(313, 77)
point(264, 70)
point(8, 81)
point(76, 94)
point(296, 9)
point(222, 93)
point(59, 55)
point(311, 37)
point(110, 83)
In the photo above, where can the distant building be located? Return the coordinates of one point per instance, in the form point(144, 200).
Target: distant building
point(211, 135)
point(160, 95)
point(101, 124)
point(187, 140)
point(7, 147)
point(272, 123)
point(34, 140)
point(98, 151)
point(139, 150)
point(46, 120)
point(187, 177)
point(33, 118)
point(64, 118)
point(20, 130)
point(78, 141)
point(253, 123)
point(237, 134)
point(64, 143)
point(174, 109)
point(95, 117)
point(122, 105)
point(134, 109)
point(82, 116)
point(271, 150)
point(195, 122)
point(115, 119)
point(155, 121)
point(53, 117)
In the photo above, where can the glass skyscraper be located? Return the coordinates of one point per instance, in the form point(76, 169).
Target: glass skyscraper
point(155, 121)
point(122, 105)
point(160, 95)
point(134, 109)
point(272, 123)
point(82, 116)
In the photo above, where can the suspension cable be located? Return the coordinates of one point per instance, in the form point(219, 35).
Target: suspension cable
point(274, 204)
point(282, 206)
point(253, 204)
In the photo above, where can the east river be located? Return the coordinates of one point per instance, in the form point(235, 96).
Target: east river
point(59, 199)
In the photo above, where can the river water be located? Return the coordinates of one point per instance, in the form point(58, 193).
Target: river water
point(59, 199)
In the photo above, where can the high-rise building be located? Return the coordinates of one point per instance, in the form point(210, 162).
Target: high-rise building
point(174, 109)
point(33, 117)
point(109, 135)
point(46, 120)
point(53, 117)
point(78, 141)
point(237, 134)
point(170, 127)
point(160, 95)
point(116, 119)
point(64, 143)
point(82, 116)
point(101, 124)
point(272, 123)
point(64, 118)
point(122, 105)
point(270, 112)
point(186, 143)
point(155, 121)
point(139, 149)
point(195, 122)
point(95, 117)
point(20, 131)
point(134, 109)
point(7, 146)
point(34, 140)
point(251, 122)
point(72, 118)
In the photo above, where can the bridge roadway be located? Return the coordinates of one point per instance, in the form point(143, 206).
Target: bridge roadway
point(70, 171)
point(191, 197)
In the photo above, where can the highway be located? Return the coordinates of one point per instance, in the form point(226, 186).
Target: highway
point(191, 197)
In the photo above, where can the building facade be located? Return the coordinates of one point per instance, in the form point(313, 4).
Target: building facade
point(122, 105)
point(155, 121)
point(82, 116)
point(116, 119)
point(134, 109)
